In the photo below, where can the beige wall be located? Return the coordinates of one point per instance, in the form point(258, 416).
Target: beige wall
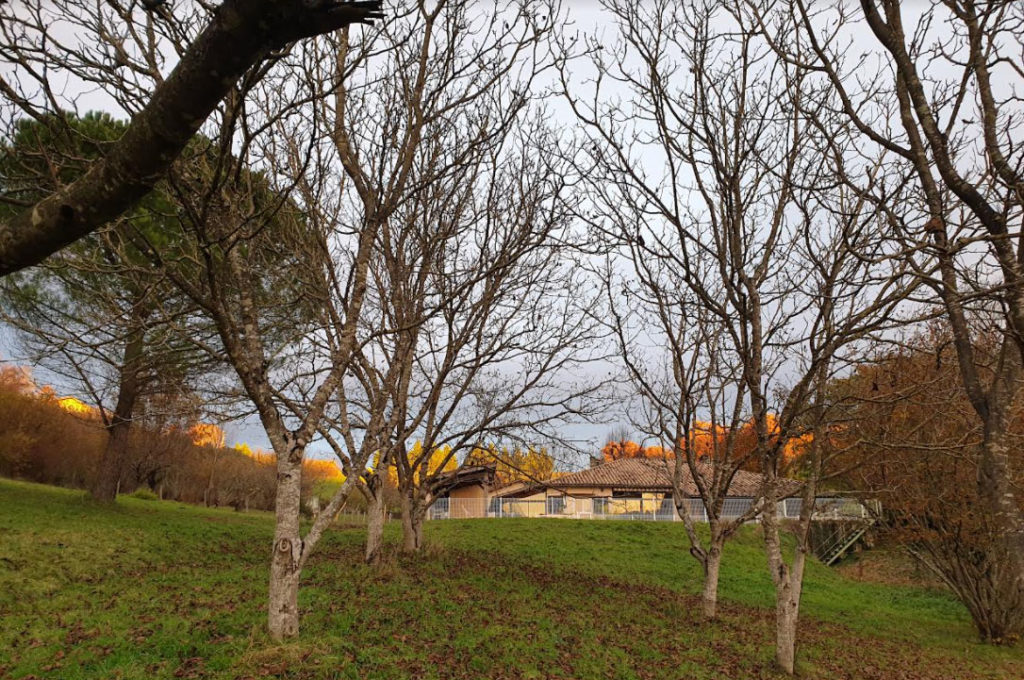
point(475, 491)
point(532, 506)
point(614, 506)
point(578, 503)
point(471, 502)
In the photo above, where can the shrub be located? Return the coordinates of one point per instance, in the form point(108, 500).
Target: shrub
point(144, 495)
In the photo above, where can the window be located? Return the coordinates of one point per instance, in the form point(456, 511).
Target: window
point(556, 505)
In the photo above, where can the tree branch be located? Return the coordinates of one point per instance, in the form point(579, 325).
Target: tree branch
point(240, 34)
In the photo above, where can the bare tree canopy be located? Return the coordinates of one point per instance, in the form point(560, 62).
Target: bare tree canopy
point(742, 273)
point(942, 104)
point(240, 34)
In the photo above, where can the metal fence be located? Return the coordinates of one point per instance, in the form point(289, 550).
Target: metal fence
point(648, 509)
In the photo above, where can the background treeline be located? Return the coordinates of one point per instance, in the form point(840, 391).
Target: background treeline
point(52, 440)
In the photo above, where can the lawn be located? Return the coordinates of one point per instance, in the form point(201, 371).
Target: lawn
point(151, 589)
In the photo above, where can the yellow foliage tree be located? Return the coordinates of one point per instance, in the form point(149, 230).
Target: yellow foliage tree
point(515, 464)
point(440, 460)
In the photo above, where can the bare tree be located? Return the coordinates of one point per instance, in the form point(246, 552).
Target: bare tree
point(466, 220)
point(502, 322)
point(289, 345)
point(281, 277)
point(691, 398)
point(310, 354)
point(941, 102)
point(684, 290)
point(715, 177)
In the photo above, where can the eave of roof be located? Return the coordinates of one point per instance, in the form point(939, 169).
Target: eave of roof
point(634, 474)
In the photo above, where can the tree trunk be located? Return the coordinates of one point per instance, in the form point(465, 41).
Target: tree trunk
point(376, 512)
point(787, 613)
point(238, 35)
point(285, 562)
point(412, 525)
point(209, 493)
point(788, 580)
point(709, 598)
point(417, 529)
point(283, 620)
point(108, 474)
point(999, 498)
point(996, 491)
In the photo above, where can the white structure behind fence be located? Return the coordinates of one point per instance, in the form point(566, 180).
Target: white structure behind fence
point(650, 509)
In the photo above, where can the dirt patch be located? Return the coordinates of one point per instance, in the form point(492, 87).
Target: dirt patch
point(888, 566)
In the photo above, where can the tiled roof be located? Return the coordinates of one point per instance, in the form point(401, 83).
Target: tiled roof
point(466, 476)
point(643, 474)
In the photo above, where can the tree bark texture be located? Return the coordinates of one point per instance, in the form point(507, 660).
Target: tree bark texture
point(286, 560)
point(1000, 499)
point(376, 513)
point(412, 525)
point(709, 596)
point(788, 581)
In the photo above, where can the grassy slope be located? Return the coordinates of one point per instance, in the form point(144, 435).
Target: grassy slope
point(151, 589)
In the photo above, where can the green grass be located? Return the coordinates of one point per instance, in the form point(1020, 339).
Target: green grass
point(150, 589)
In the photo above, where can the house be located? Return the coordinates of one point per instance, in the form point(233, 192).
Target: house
point(631, 488)
point(628, 488)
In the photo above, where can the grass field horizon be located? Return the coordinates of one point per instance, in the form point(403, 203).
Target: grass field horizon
point(154, 589)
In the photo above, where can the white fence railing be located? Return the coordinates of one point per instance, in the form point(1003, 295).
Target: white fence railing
point(649, 509)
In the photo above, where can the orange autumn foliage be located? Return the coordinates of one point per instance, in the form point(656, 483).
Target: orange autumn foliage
point(59, 440)
point(708, 441)
point(206, 434)
point(327, 470)
point(627, 449)
point(316, 469)
point(74, 405)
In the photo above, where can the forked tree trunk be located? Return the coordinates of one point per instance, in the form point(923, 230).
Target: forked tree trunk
point(710, 559)
point(788, 580)
point(285, 562)
point(105, 484)
point(375, 515)
point(291, 550)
